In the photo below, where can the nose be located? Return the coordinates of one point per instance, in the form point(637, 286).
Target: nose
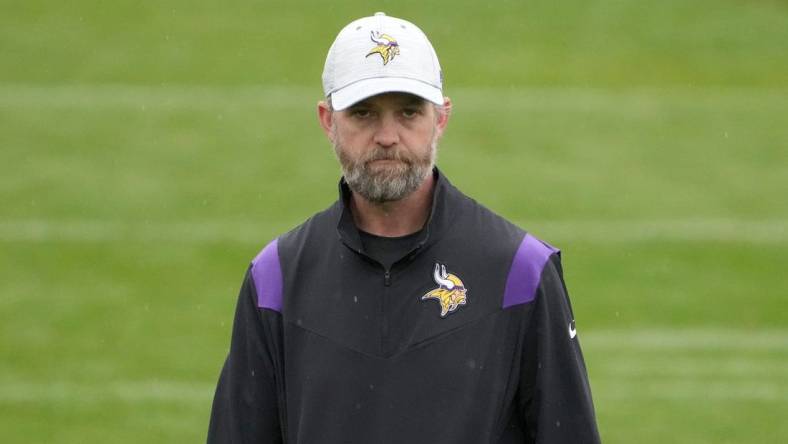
point(387, 134)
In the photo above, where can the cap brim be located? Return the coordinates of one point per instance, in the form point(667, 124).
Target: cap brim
point(358, 91)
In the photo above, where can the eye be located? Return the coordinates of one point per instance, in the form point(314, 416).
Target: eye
point(410, 112)
point(360, 113)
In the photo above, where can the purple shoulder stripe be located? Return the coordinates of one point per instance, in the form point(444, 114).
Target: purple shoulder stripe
point(526, 271)
point(267, 276)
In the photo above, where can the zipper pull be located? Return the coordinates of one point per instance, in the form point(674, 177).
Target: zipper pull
point(387, 278)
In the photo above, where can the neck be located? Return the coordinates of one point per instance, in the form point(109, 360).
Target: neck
point(396, 218)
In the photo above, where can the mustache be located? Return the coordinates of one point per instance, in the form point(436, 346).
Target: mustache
point(385, 154)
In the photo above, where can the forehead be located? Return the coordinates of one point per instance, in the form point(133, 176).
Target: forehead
point(390, 99)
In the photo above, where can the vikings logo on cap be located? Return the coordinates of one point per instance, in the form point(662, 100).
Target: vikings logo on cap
point(387, 46)
point(450, 292)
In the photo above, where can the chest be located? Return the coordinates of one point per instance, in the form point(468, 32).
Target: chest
point(360, 304)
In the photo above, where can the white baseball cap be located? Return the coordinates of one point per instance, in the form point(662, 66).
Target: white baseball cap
point(379, 54)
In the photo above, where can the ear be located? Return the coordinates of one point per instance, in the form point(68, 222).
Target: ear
point(443, 116)
point(325, 116)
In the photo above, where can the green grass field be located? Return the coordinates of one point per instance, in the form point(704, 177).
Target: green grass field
point(147, 153)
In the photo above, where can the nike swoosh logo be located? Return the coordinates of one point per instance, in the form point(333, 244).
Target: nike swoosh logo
point(572, 330)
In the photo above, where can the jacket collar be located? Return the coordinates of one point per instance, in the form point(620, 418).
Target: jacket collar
point(443, 196)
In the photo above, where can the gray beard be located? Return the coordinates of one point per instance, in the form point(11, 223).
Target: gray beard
point(380, 185)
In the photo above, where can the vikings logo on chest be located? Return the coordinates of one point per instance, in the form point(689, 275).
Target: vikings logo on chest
point(386, 47)
point(451, 292)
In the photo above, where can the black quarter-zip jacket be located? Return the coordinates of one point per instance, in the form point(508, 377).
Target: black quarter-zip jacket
point(468, 339)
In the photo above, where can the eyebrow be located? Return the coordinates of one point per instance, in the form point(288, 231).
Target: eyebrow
point(412, 100)
point(418, 101)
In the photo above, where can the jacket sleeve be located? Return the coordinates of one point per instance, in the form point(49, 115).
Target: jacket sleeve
point(245, 406)
point(554, 392)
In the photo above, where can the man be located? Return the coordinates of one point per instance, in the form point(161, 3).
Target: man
point(405, 312)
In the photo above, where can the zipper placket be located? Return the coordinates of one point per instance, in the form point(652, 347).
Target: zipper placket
point(385, 296)
point(384, 333)
point(385, 340)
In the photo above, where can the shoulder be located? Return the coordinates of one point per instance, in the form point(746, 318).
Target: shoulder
point(525, 272)
point(504, 246)
point(527, 255)
point(266, 267)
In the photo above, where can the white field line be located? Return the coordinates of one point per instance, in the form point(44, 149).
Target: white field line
point(734, 365)
point(714, 380)
point(176, 392)
point(774, 231)
point(696, 229)
point(699, 391)
point(126, 391)
point(617, 101)
point(686, 340)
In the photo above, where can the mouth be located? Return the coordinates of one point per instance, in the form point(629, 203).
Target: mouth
point(385, 162)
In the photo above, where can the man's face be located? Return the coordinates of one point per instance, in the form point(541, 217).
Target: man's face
point(386, 144)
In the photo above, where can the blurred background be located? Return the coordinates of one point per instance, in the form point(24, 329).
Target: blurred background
point(148, 151)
